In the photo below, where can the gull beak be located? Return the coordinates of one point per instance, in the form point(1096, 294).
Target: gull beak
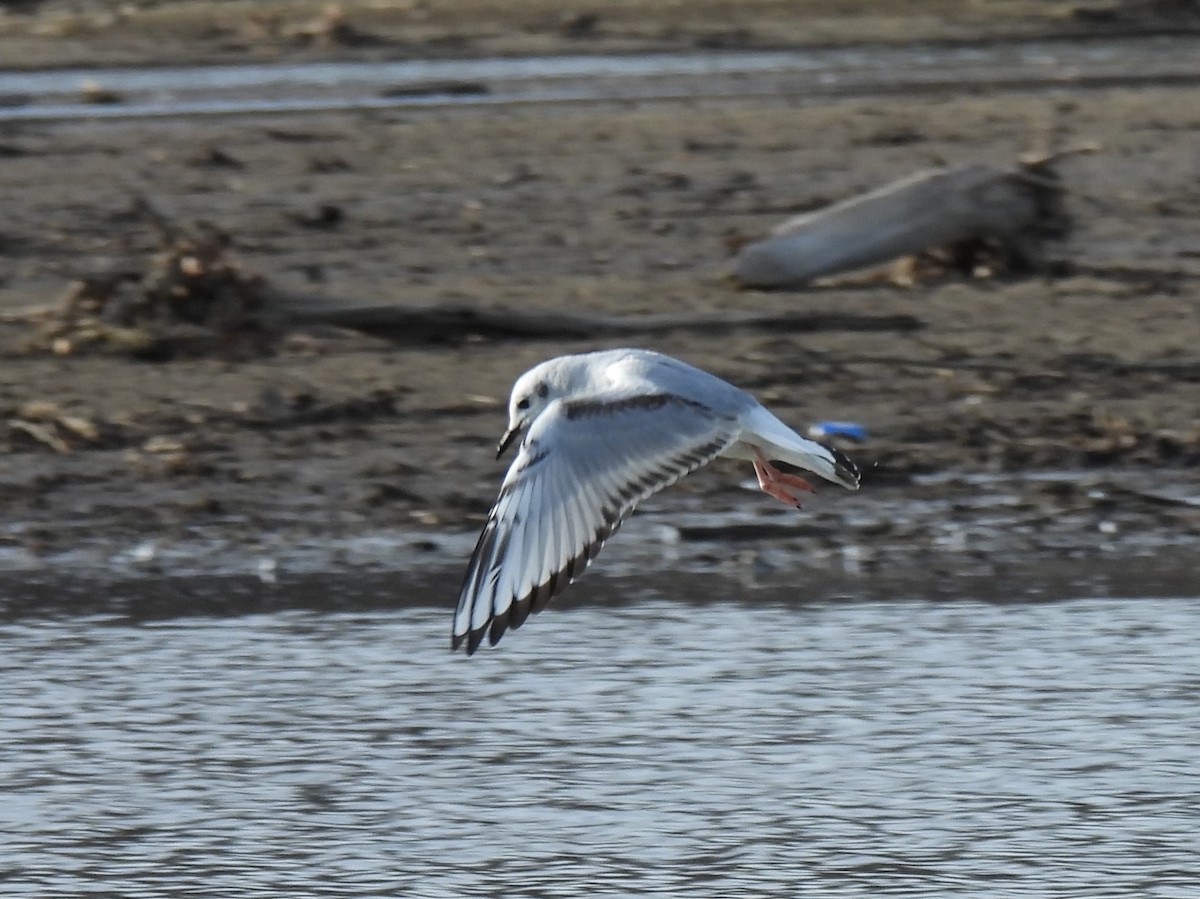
point(509, 436)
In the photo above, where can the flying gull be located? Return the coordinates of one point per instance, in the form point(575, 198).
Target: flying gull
point(603, 431)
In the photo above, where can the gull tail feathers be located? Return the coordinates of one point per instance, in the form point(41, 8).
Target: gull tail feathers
point(781, 444)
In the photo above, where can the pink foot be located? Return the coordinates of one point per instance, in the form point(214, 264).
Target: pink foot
point(774, 482)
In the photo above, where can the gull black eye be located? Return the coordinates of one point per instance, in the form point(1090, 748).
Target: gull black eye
point(543, 390)
point(523, 404)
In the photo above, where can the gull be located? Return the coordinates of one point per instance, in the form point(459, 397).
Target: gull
point(603, 431)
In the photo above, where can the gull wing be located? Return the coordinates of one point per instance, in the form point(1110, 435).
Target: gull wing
point(583, 467)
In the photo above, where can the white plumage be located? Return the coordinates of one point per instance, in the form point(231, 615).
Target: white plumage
point(604, 431)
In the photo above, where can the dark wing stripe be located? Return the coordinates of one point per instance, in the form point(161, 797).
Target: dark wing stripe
point(548, 510)
point(663, 476)
point(645, 402)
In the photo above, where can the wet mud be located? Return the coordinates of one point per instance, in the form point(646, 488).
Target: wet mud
point(1031, 433)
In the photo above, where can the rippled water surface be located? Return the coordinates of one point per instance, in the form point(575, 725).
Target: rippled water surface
point(309, 87)
point(856, 749)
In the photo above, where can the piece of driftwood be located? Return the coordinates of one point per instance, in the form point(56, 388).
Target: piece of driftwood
point(1011, 208)
point(457, 321)
point(196, 297)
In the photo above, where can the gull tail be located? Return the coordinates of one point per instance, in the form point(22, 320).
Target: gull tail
point(781, 444)
point(845, 472)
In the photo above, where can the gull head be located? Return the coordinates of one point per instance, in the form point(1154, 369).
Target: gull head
point(532, 393)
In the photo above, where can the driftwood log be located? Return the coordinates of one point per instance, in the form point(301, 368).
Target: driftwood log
point(1012, 209)
point(195, 297)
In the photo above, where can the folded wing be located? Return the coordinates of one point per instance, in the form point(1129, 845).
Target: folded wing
point(583, 467)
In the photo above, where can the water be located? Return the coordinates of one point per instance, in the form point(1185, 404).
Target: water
point(899, 748)
point(175, 91)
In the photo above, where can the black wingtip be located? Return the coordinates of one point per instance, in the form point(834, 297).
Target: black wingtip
point(468, 642)
point(498, 627)
point(474, 640)
point(846, 470)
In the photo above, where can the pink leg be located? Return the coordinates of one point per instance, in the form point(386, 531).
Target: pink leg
point(774, 482)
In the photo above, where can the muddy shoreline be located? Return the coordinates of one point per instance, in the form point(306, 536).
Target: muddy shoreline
point(38, 34)
point(1037, 433)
